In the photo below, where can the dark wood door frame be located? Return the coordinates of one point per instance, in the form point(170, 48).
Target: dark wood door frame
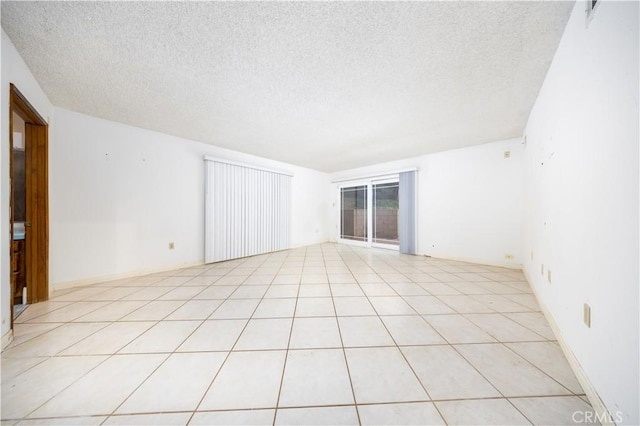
point(37, 195)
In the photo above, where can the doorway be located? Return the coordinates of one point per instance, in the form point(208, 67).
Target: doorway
point(369, 213)
point(29, 203)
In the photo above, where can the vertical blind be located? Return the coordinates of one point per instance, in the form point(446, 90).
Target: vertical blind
point(407, 213)
point(247, 210)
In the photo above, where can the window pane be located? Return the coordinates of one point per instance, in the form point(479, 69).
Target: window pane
point(353, 205)
point(385, 213)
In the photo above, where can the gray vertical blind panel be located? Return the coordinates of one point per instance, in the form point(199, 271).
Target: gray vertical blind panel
point(247, 211)
point(407, 213)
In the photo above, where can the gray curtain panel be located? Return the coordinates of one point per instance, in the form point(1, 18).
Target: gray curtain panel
point(407, 213)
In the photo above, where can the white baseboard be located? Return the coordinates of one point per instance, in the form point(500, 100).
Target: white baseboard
point(507, 265)
point(107, 278)
point(603, 414)
point(7, 338)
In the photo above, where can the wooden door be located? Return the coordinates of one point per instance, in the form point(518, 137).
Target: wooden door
point(37, 225)
point(37, 196)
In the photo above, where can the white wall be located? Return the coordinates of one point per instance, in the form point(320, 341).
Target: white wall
point(469, 202)
point(581, 209)
point(13, 70)
point(120, 194)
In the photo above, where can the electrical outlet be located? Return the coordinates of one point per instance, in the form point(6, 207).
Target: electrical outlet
point(549, 275)
point(587, 315)
point(507, 154)
point(508, 256)
point(542, 270)
point(172, 245)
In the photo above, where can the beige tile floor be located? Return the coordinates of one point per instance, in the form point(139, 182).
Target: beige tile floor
point(326, 334)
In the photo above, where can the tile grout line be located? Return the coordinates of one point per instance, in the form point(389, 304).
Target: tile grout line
point(499, 341)
point(434, 404)
point(286, 355)
point(168, 355)
point(402, 353)
point(422, 385)
point(482, 375)
point(230, 349)
point(344, 351)
point(339, 253)
point(538, 368)
point(491, 383)
point(108, 357)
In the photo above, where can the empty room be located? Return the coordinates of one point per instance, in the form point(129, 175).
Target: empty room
point(306, 213)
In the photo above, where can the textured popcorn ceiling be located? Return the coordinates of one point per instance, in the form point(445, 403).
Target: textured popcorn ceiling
point(329, 86)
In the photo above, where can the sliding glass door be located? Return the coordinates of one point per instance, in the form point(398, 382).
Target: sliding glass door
point(354, 223)
point(369, 213)
point(385, 213)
